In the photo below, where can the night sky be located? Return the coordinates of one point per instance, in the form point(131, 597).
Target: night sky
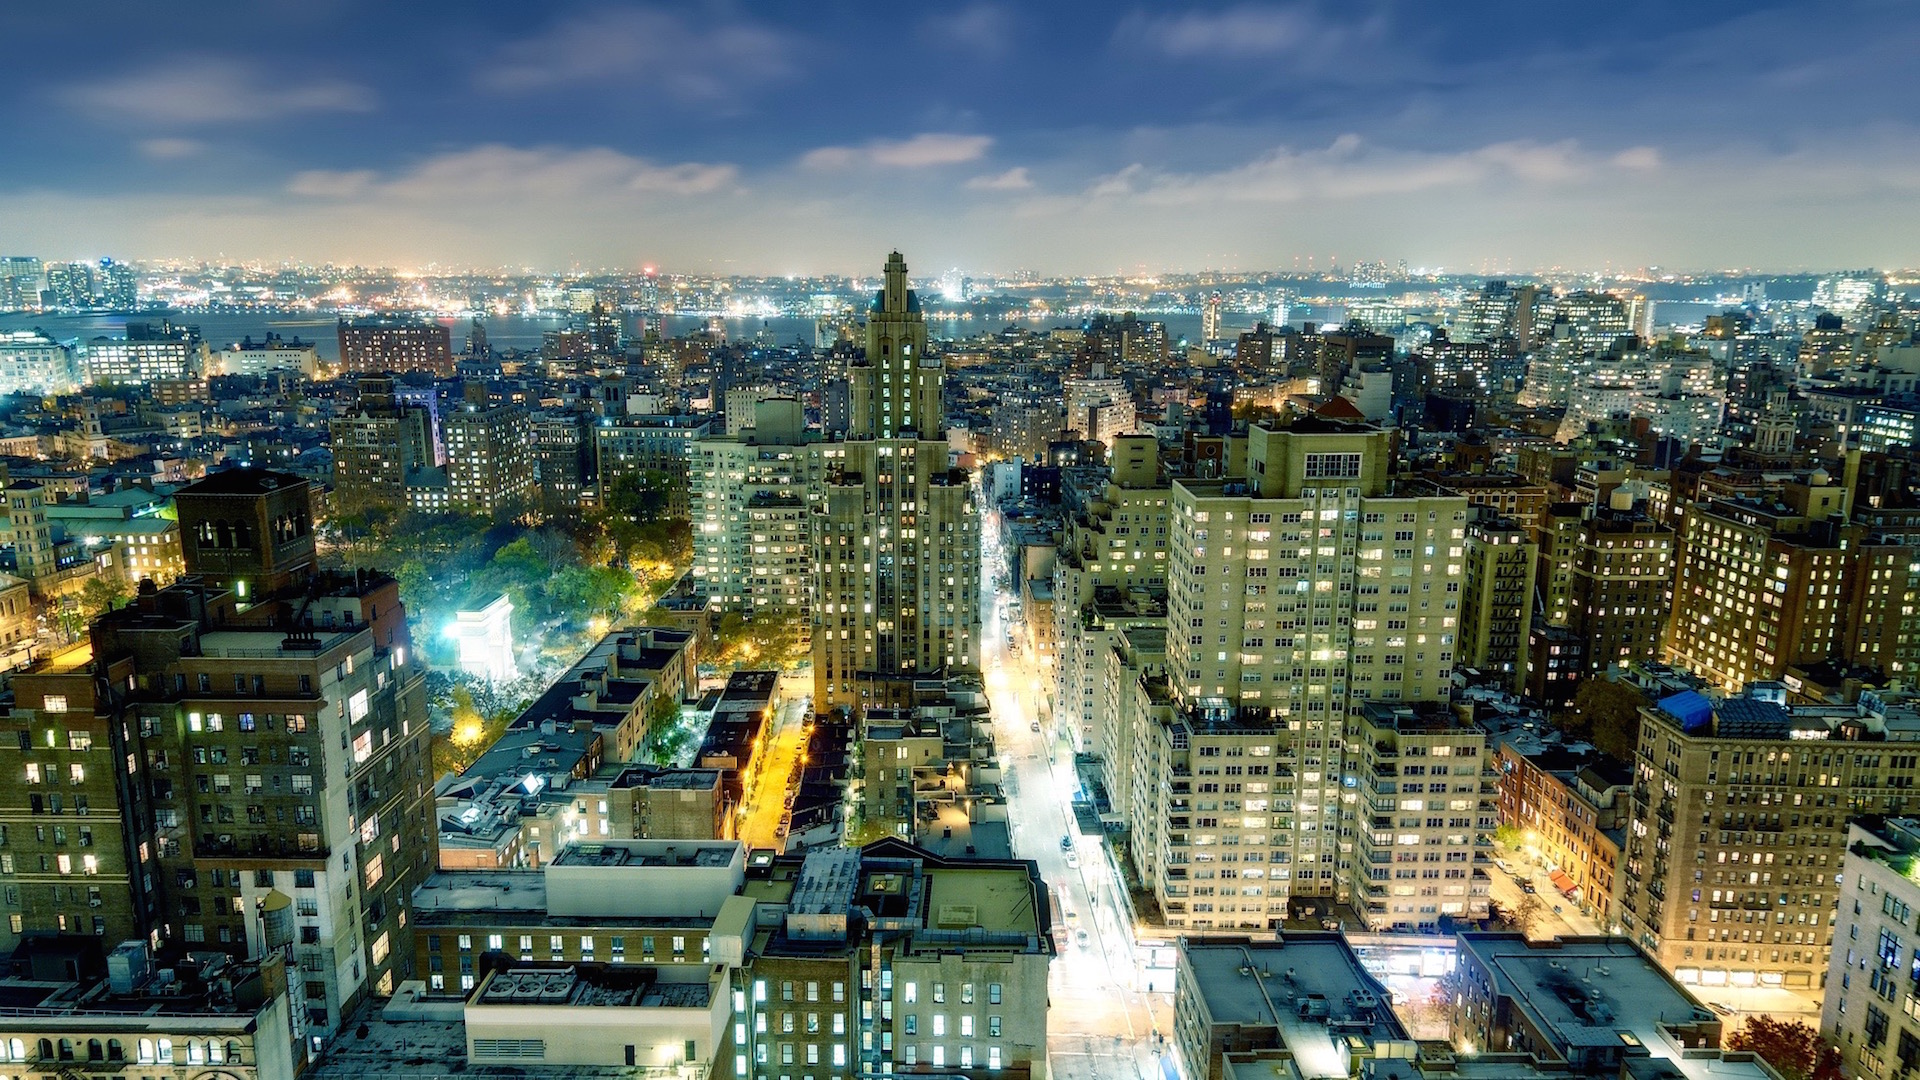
point(1055, 137)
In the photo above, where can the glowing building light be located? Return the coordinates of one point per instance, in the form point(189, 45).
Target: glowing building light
point(486, 641)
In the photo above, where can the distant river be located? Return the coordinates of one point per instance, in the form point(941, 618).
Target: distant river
point(523, 331)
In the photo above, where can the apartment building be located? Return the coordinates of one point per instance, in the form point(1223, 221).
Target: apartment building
point(1109, 573)
point(891, 959)
point(1497, 610)
point(1557, 537)
point(751, 496)
point(222, 1018)
point(1760, 587)
point(1135, 652)
point(1871, 1009)
point(375, 446)
point(1427, 784)
point(275, 721)
point(930, 774)
point(148, 353)
point(383, 345)
point(1622, 585)
point(650, 452)
point(1882, 631)
point(1739, 824)
point(654, 902)
point(1318, 583)
point(1214, 825)
point(562, 444)
point(1572, 809)
point(490, 459)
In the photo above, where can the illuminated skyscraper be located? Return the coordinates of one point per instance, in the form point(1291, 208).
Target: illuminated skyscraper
point(896, 540)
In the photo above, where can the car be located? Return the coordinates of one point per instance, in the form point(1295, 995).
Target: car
point(1505, 866)
point(1073, 858)
point(1721, 1007)
point(1066, 843)
point(1035, 726)
point(1081, 937)
point(1527, 887)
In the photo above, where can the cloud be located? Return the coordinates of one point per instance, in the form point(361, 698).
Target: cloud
point(1638, 158)
point(1014, 179)
point(494, 172)
point(920, 151)
point(1246, 31)
point(188, 93)
point(652, 51)
point(169, 149)
point(1350, 169)
point(985, 28)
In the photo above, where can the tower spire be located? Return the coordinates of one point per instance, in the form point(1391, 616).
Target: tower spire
point(896, 291)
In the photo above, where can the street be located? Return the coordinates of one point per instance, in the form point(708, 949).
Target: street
point(771, 781)
point(1102, 1024)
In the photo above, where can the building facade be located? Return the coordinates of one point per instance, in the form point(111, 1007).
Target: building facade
point(896, 536)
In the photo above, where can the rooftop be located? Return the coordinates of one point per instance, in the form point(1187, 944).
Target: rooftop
point(1309, 986)
point(1588, 992)
point(243, 482)
point(579, 985)
point(649, 853)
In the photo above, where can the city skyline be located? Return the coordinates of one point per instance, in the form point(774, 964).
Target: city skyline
point(1066, 140)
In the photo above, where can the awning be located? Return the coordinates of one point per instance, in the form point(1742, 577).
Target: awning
point(1561, 881)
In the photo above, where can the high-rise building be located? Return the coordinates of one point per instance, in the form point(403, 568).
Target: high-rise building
point(1868, 1010)
point(1254, 350)
point(490, 458)
point(1416, 857)
point(375, 446)
point(391, 345)
point(1760, 588)
point(1740, 824)
point(20, 277)
point(1318, 581)
point(1497, 604)
point(116, 286)
point(563, 451)
point(752, 516)
point(69, 285)
point(273, 723)
point(1622, 589)
point(649, 452)
point(1109, 574)
point(604, 334)
point(896, 540)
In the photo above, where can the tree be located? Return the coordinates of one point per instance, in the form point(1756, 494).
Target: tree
point(1527, 914)
point(102, 594)
point(1606, 713)
point(1794, 1048)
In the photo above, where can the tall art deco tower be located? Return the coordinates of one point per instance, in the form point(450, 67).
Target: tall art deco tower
point(896, 540)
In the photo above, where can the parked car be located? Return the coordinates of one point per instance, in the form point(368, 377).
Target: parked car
point(1066, 843)
point(1035, 726)
point(1073, 858)
point(1527, 887)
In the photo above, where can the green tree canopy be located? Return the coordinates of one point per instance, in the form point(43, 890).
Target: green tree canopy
point(1794, 1048)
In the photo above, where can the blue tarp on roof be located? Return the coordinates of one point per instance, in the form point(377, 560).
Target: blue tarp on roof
point(1689, 707)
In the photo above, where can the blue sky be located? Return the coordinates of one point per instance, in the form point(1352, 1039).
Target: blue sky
point(1058, 137)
